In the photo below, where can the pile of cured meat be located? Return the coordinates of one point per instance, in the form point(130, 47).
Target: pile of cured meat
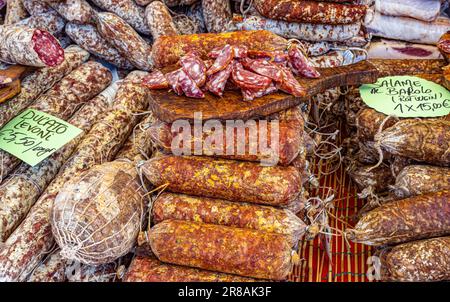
point(117, 203)
point(255, 73)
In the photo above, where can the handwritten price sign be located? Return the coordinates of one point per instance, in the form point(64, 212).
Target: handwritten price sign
point(407, 96)
point(33, 136)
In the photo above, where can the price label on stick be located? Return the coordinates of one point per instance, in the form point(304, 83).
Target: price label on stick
point(32, 136)
point(406, 96)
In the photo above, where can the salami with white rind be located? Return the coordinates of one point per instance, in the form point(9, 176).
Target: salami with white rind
point(217, 14)
point(89, 38)
point(28, 46)
point(159, 20)
point(129, 11)
point(78, 11)
point(15, 11)
point(125, 39)
point(50, 21)
point(35, 7)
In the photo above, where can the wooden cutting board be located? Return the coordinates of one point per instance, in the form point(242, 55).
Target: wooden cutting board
point(10, 83)
point(169, 107)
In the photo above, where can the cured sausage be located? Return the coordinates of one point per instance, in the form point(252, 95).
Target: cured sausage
point(78, 11)
point(50, 21)
point(407, 67)
point(40, 81)
point(246, 79)
point(167, 51)
point(156, 80)
point(217, 211)
point(52, 269)
point(15, 11)
point(143, 2)
point(145, 268)
point(217, 15)
point(159, 20)
point(224, 249)
point(225, 179)
point(89, 38)
point(375, 180)
point(289, 84)
point(282, 152)
point(300, 64)
point(36, 7)
point(409, 219)
point(303, 31)
point(264, 68)
point(368, 122)
point(28, 46)
point(217, 82)
point(195, 68)
point(418, 261)
point(21, 189)
point(128, 11)
point(127, 41)
point(65, 98)
point(195, 14)
point(422, 140)
point(310, 11)
point(416, 180)
point(33, 238)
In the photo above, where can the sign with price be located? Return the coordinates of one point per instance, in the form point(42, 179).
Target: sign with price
point(32, 136)
point(406, 96)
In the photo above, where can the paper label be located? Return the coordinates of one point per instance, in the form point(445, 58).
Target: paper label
point(32, 136)
point(406, 96)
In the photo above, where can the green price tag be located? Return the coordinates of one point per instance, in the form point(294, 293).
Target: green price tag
point(406, 96)
point(32, 136)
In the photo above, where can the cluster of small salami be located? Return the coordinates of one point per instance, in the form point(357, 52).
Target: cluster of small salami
point(256, 73)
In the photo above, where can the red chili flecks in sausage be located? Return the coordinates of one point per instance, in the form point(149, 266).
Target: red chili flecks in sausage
point(156, 80)
point(225, 57)
point(195, 68)
point(300, 64)
point(216, 83)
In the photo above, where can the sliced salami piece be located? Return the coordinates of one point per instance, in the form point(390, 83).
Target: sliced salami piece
point(159, 20)
point(300, 63)
point(174, 81)
point(217, 15)
point(250, 94)
point(264, 68)
point(156, 80)
point(238, 51)
point(189, 87)
point(248, 80)
point(274, 56)
point(28, 46)
point(194, 67)
point(290, 84)
point(225, 57)
point(217, 82)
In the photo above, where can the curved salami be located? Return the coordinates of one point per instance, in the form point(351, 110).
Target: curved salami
point(217, 15)
point(310, 11)
point(159, 20)
point(36, 7)
point(50, 21)
point(125, 39)
point(89, 38)
point(129, 11)
point(28, 46)
point(15, 11)
point(224, 249)
point(78, 11)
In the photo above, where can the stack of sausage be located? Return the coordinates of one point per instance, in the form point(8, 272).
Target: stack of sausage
point(402, 167)
point(417, 23)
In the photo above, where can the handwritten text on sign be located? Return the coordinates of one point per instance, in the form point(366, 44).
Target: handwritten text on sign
point(32, 136)
point(407, 96)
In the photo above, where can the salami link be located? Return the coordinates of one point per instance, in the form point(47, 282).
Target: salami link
point(195, 14)
point(78, 11)
point(173, 78)
point(143, 2)
point(167, 51)
point(422, 140)
point(217, 14)
point(28, 46)
point(368, 122)
point(225, 179)
point(416, 180)
point(172, 3)
point(128, 11)
point(159, 20)
point(15, 11)
point(418, 261)
point(52, 269)
point(310, 11)
point(40, 81)
point(36, 7)
point(418, 217)
point(288, 145)
point(228, 213)
point(50, 21)
point(65, 98)
point(89, 38)
point(127, 41)
point(19, 191)
point(33, 238)
point(304, 31)
point(224, 249)
point(149, 269)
